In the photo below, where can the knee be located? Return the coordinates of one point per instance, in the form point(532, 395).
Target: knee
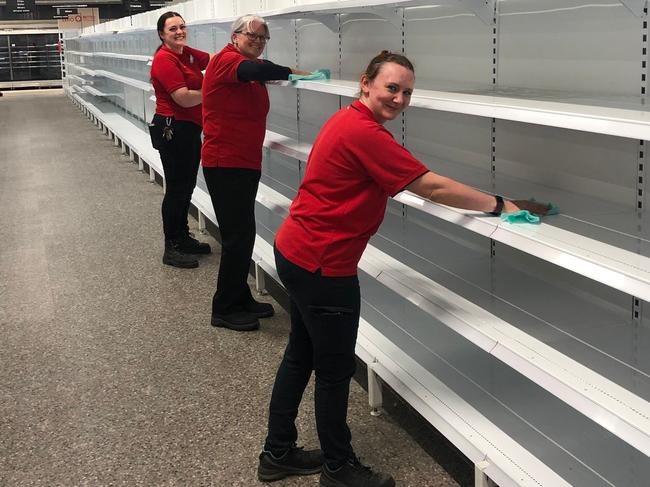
point(335, 371)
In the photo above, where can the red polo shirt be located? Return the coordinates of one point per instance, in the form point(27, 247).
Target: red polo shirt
point(171, 71)
point(353, 168)
point(234, 114)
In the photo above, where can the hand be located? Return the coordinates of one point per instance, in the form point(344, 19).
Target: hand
point(300, 72)
point(517, 205)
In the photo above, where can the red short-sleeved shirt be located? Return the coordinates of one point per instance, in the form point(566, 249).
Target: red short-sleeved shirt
point(171, 71)
point(354, 166)
point(234, 114)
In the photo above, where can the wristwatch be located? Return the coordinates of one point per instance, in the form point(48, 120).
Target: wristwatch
point(499, 206)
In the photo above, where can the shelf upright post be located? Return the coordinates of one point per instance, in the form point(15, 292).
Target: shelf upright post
point(637, 303)
point(493, 134)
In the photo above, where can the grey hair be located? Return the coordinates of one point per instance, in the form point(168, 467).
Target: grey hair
point(245, 21)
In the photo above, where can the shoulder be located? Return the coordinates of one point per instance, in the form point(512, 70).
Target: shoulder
point(163, 54)
point(164, 58)
point(357, 123)
point(163, 61)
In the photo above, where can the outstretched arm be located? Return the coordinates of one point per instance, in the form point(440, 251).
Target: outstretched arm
point(449, 192)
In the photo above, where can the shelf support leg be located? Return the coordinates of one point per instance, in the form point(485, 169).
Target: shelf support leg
point(202, 226)
point(260, 280)
point(375, 397)
point(480, 478)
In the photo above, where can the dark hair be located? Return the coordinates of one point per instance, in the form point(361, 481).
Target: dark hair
point(386, 57)
point(161, 24)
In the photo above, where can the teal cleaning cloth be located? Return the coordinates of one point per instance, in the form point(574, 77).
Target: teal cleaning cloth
point(553, 209)
point(523, 216)
point(318, 75)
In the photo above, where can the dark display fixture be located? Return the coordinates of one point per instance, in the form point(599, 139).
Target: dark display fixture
point(29, 57)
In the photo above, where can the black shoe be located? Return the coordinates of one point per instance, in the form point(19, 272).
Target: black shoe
point(174, 257)
point(295, 461)
point(237, 320)
point(189, 245)
point(260, 310)
point(354, 474)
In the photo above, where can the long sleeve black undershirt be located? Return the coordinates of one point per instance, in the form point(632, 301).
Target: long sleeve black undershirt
point(264, 71)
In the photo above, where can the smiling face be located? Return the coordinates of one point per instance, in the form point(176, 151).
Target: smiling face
point(174, 34)
point(389, 93)
point(251, 41)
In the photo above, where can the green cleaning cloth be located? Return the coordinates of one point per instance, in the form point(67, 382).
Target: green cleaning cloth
point(318, 75)
point(523, 216)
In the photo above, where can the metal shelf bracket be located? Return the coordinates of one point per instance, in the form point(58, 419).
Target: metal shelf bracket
point(635, 6)
point(484, 9)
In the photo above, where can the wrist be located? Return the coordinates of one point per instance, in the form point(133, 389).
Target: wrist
point(498, 207)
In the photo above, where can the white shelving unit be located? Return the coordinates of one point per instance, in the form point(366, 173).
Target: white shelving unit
point(528, 392)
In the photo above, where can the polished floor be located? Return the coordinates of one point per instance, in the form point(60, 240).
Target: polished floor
point(110, 373)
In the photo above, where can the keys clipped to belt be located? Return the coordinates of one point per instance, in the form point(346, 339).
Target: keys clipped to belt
point(168, 131)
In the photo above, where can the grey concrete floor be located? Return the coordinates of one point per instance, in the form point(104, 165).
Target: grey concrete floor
point(110, 371)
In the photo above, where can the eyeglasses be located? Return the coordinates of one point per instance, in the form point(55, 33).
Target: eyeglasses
point(254, 37)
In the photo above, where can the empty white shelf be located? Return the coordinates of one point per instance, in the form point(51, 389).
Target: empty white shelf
point(605, 118)
point(77, 78)
point(116, 55)
point(96, 92)
point(136, 83)
point(86, 71)
point(286, 145)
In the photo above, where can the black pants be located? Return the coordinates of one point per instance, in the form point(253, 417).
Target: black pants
point(180, 159)
point(324, 324)
point(233, 191)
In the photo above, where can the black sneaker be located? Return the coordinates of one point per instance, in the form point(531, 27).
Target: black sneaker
point(174, 257)
point(237, 320)
point(260, 310)
point(354, 474)
point(295, 461)
point(189, 245)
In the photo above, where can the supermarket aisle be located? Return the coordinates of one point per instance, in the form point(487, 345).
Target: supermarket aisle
point(111, 373)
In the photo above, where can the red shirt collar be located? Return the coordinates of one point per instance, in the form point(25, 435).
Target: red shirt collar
point(357, 105)
point(184, 54)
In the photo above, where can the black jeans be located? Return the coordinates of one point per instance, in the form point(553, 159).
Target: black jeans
point(324, 324)
point(232, 191)
point(180, 159)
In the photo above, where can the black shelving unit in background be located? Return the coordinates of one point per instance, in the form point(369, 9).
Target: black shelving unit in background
point(29, 60)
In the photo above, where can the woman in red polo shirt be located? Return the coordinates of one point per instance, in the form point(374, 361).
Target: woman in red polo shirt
point(235, 104)
point(354, 167)
point(176, 133)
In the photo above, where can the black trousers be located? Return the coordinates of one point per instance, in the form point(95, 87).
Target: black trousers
point(180, 159)
point(232, 191)
point(324, 324)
